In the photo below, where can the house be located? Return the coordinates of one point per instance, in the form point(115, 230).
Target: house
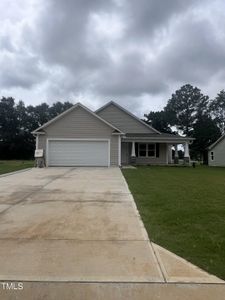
point(216, 153)
point(110, 136)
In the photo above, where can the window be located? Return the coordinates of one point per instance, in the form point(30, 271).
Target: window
point(142, 150)
point(212, 155)
point(146, 150)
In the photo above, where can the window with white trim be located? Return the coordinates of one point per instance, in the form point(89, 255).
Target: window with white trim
point(212, 155)
point(146, 150)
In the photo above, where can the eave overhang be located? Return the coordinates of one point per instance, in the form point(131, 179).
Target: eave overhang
point(158, 139)
point(37, 133)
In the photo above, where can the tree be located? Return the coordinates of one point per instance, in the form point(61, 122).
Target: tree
point(205, 132)
point(217, 108)
point(59, 107)
point(189, 110)
point(184, 106)
point(158, 120)
point(42, 113)
point(8, 127)
point(8, 119)
point(25, 140)
point(18, 121)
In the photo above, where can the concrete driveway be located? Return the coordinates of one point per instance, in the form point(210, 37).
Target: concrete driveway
point(81, 225)
point(72, 224)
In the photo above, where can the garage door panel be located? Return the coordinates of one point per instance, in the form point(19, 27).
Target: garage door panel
point(78, 153)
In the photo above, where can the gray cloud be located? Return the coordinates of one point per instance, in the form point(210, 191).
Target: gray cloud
point(131, 76)
point(194, 56)
point(146, 17)
point(20, 71)
point(136, 52)
point(63, 34)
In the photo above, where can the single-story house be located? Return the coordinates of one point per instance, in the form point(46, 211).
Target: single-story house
point(216, 153)
point(110, 136)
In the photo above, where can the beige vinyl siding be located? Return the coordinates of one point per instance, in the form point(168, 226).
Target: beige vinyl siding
point(42, 142)
point(125, 153)
point(161, 160)
point(218, 153)
point(122, 120)
point(114, 151)
point(81, 124)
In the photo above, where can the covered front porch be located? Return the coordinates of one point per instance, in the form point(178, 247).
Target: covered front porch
point(152, 149)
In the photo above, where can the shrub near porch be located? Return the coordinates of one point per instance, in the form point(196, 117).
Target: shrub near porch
point(183, 210)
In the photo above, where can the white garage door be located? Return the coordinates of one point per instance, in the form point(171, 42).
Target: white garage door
point(78, 153)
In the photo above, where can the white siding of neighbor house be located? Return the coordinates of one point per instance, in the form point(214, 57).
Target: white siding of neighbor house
point(122, 120)
point(218, 153)
point(81, 124)
point(161, 160)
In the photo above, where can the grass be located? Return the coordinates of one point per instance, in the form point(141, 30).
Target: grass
point(7, 166)
point(183, 210)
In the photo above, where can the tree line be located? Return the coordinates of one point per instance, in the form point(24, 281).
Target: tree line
point(191, 113)
point(17, 121)
point(188, 112)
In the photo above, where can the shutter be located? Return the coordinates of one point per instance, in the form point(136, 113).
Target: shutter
point(157, 149)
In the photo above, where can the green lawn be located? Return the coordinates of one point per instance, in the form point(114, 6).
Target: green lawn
point(7, 166)
point(183, 210)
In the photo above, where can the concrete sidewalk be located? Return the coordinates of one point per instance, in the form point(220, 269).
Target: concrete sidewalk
point(79, 228)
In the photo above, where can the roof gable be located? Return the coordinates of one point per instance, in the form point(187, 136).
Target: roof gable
point(216, 142)
point(123, 119)
point(76, 106)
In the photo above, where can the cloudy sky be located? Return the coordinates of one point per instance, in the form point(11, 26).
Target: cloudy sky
point(135, 52)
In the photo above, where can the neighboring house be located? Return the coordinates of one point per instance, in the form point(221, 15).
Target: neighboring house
point(110, 136)
point(216, 153)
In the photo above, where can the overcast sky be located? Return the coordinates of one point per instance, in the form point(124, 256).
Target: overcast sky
point(135, 52)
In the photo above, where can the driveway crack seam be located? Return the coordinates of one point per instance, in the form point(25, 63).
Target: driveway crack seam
point(34, 192)
point(158, 261)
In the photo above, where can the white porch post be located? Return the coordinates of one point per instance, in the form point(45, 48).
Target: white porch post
point(133, 150)
point(176, 157)
point(169, 154)
point(186, 152)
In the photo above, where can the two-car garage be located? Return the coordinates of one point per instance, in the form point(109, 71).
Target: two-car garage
point(78, 152)
point(78, 137)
